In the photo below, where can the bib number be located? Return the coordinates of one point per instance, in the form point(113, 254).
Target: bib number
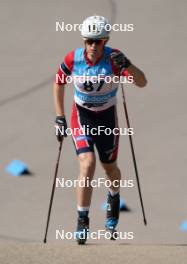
point(88, 86)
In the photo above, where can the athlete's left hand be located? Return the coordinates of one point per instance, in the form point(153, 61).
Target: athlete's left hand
point(119, 60)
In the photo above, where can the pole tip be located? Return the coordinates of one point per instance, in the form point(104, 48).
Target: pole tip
point(45, 240)
point(145, 222)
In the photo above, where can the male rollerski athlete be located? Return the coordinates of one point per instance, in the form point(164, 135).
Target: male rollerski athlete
point(94, 105)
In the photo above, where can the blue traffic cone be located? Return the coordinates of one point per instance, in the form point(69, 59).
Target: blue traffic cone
point(183, 226)
point(17, 168)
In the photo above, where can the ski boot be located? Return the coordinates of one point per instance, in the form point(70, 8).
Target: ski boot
point(112, 214)
point(82, 230)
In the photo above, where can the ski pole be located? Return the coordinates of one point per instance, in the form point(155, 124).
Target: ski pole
point(52, 192)
point(133, 154)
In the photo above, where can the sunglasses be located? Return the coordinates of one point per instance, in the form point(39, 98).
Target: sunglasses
point(96, 41)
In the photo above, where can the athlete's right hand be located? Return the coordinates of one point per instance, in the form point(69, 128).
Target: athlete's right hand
point(60, 127)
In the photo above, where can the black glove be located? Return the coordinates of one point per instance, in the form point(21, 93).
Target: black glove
point(61, 126)
point(119, 60)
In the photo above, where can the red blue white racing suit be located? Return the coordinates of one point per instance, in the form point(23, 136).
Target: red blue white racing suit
point(94, 107)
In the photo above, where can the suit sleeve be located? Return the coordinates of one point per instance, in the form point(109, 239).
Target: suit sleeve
point(65, 69)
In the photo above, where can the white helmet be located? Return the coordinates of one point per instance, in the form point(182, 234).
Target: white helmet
point(96, 27)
